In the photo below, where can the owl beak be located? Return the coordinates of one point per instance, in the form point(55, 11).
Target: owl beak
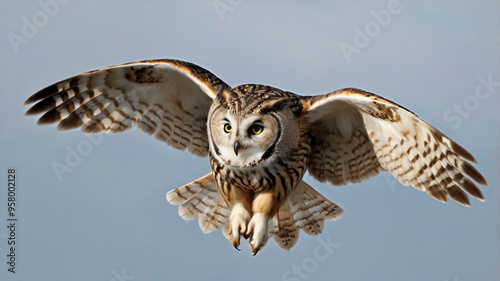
point(236, 147)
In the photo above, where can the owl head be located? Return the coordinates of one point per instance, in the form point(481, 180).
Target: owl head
point(251, 124)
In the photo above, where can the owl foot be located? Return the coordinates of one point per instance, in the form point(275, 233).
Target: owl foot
point(257, 229)
point(238, 222)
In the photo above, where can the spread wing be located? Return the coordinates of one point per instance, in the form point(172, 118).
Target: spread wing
point(169, 99)
point(357, 134)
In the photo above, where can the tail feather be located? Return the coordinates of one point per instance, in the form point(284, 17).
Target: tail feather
point(311, 209)
point(215, 216)
point(201, 199)
point(285, 230)
point(304, 209)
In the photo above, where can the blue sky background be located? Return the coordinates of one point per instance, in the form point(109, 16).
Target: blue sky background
point(108, 219)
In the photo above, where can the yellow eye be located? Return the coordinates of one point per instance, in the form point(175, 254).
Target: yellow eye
point(256, 129)
point(227, 128)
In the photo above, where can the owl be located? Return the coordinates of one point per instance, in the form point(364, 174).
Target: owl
point(261, 141)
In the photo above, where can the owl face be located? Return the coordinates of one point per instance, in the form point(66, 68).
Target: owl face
point(243, 140)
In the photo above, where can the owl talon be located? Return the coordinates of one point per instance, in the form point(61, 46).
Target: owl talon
point(238, 222)
point(236, 244)
point(235, 240)
point(254, 250)
point(257, 229)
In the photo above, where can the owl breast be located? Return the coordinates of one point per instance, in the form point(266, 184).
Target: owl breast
point(279, 174)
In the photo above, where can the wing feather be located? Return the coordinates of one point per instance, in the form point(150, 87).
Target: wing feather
point(169, 99)
point(356, 134)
